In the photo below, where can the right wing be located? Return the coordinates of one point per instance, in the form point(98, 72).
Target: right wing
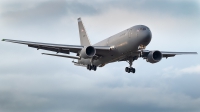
point(59, 48)
point(167, 54)
point(144, 54)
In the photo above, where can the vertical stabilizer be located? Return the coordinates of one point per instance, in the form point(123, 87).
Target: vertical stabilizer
point(83, 35)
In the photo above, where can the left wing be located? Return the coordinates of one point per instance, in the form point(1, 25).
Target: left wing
point(59, 48)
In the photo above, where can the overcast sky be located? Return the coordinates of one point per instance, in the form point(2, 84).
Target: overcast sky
point(31, 82)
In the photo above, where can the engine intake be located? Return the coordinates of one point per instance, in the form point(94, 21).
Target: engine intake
point(87, 52)
point(154, 56)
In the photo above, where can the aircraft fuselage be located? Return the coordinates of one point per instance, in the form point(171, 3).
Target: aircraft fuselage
point(124, 44)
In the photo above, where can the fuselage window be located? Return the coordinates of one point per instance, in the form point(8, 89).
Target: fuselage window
point(142, 28)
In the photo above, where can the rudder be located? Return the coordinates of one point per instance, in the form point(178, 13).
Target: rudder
point(82, 33)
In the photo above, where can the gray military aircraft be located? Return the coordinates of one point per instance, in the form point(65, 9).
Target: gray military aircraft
point(128, 45)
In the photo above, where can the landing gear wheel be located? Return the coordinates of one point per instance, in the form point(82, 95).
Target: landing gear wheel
point(132, 70)
point(130, 61)
point(91, 67)
point(129, 70)
point(126, 69)
point(88, 67)
point(94, 67)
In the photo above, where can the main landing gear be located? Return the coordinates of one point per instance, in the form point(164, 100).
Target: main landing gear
point(130, 68)
point(127, 69)
point(91, 67)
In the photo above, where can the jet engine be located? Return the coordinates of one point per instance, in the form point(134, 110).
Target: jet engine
point(87, 52)
point(154, 56)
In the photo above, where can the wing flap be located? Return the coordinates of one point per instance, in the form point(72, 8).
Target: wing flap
point(65, 56)
point(55, 49)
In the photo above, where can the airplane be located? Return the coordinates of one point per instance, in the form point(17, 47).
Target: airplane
point(128, 45)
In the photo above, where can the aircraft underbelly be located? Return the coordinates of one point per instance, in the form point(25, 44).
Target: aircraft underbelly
point(124, 47)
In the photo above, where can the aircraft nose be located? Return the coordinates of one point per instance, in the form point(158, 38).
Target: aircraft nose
point(145, 35)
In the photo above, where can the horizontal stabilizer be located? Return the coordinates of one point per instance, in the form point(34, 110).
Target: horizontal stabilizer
point(65, 56)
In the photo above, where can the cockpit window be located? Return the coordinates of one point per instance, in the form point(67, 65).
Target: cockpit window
point(143, 28)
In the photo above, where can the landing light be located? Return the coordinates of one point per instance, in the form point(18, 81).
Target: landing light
point(141, 47)
point(112, 47)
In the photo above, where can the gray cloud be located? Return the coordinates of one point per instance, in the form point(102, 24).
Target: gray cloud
point(71, 93)
point(166, 7)
point(45, 12)
point(54, 10)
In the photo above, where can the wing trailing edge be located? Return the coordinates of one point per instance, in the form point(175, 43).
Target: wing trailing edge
point(65, 56)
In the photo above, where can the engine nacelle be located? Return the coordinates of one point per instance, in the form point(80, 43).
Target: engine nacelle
point(154, 56)
point(87, 52)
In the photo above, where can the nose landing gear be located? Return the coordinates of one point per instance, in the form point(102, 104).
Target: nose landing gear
point(127, 69)
point(130, 68)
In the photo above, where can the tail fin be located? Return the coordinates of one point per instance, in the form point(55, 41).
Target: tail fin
point(83, 35)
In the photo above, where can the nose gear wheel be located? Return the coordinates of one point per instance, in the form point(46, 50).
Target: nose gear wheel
point(130, 68)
